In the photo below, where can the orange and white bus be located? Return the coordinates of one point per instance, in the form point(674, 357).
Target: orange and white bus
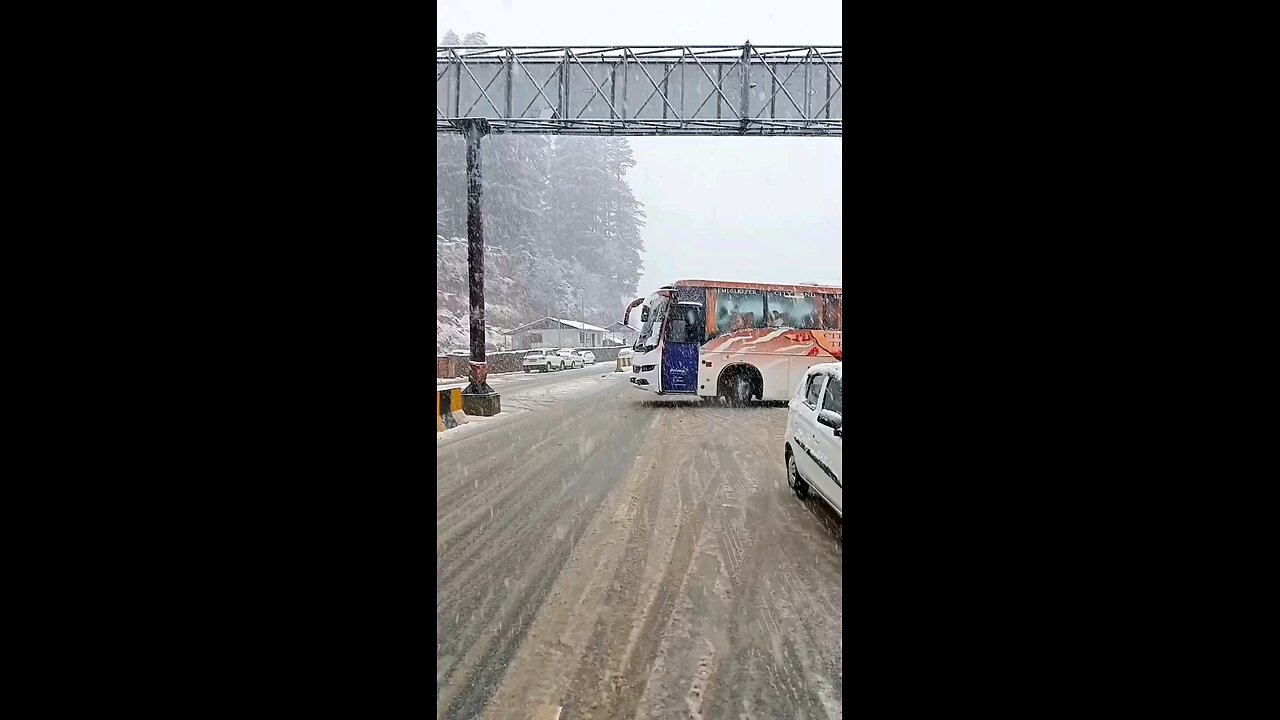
point(736, 340)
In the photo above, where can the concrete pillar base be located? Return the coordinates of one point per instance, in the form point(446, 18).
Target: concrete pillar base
point(484, 405)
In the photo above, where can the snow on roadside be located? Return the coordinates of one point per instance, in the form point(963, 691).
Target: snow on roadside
point(479, 423)
point(524, 400)
point(441, 383)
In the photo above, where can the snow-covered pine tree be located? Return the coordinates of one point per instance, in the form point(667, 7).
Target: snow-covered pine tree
point(559, 215)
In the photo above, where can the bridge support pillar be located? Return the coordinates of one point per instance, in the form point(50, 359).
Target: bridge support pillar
point(478, 398)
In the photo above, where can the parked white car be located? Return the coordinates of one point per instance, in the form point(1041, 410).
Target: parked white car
point(588, 357)
point(572, 358)
point(814, 439)
point(542, 361)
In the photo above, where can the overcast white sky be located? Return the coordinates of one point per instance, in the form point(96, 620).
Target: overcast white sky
point(751, 209)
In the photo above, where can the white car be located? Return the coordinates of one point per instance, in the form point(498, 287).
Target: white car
point(572, 358)
point(588, 357)
point(542, 361)
point(814, 439)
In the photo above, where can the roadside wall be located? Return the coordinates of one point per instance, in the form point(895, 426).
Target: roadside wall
point(453, 366)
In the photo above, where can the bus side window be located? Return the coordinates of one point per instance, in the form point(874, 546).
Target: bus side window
point(793, 310)
point(739, 311)
point(831, 312)
point(686, 326)
point(696, 330)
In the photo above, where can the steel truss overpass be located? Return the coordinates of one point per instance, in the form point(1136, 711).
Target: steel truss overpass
point(642, 90)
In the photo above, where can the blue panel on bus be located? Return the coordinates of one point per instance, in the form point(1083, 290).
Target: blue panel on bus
point(680, 368)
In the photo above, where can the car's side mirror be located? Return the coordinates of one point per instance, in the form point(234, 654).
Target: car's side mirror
point(837, 432)
point(830, 418)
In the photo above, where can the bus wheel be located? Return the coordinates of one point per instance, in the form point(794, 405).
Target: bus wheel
point(739, 383)
point(738, 390)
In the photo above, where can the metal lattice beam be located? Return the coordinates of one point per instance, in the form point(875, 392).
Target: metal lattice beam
point(642, 90)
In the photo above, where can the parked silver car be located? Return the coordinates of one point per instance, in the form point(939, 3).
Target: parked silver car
point(572, 358)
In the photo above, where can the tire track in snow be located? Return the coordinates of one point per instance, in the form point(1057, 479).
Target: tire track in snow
point(501, 543)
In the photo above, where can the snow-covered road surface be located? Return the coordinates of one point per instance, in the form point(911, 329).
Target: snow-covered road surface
point(619, 555)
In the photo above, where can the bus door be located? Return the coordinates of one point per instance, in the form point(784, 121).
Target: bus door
point(686, 331)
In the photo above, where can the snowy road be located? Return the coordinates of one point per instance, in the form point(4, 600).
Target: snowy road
point(602, 553)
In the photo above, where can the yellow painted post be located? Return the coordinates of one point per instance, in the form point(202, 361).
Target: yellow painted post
point(449, 409)
point(455, 405)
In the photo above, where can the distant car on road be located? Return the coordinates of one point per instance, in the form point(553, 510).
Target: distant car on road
point(572, 358)
point(588, 356)
point(542, 360)
point(814, 439)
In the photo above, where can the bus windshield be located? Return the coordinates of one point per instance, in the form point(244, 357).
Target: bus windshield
point(649, 330)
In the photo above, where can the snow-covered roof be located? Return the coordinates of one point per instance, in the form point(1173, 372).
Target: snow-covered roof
point(619, 325)
point(579, 325)
point(834, 369)
point(567, 323)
